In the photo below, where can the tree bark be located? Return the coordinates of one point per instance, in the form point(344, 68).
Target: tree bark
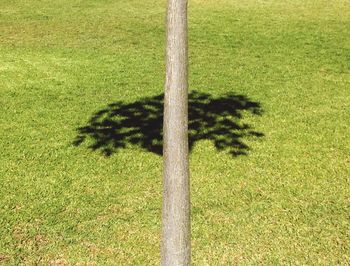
point(176, 247)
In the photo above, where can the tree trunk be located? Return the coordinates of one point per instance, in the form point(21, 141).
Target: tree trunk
point(176, 247)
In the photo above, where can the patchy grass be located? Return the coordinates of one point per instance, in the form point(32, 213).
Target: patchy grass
point(285, 202)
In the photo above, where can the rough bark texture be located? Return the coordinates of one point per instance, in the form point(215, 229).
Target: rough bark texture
point(176, 249)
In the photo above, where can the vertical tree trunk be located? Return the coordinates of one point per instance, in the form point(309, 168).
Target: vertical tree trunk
point(176, 248)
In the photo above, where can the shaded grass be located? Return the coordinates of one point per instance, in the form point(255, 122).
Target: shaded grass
point(286, 202)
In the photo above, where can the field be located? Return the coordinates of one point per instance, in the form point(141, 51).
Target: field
point(80, 116)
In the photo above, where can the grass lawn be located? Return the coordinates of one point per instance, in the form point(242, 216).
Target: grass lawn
point(80, 102)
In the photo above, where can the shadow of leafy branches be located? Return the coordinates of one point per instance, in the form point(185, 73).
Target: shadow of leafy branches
point(140, 123)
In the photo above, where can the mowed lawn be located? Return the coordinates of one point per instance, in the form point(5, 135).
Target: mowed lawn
point(271, 188)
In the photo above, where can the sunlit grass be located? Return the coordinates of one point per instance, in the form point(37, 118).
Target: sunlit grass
point(286, 202)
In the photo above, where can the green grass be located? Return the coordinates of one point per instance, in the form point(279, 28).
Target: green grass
point(286, 202)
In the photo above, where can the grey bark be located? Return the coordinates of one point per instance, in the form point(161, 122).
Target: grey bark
point(176, 248)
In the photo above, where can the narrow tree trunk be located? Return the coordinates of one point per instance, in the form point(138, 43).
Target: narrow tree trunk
point(176, 248)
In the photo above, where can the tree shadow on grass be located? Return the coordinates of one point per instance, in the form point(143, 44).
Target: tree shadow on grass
point(141, 123)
